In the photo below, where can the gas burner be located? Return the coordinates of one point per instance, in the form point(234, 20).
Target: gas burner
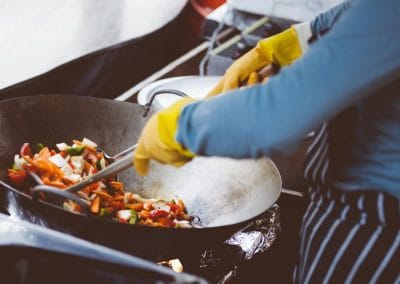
point(222, 263)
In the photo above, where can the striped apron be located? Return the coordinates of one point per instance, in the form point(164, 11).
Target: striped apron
point(346, 237)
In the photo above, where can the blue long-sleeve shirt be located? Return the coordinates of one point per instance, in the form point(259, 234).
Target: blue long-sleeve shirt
point(353, 69)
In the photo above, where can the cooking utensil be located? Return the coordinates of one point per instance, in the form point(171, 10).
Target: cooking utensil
point(112, 159)
point(224, 193)
point(122, 162)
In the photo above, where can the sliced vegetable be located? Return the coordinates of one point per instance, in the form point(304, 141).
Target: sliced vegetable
point(89, 143)
point(95, 206)
point(62, 146)
point(105, 212)
point(40, 146)
point(68, 165)
point(166, 222)
point(181, 205)
point(25, 150)
point(124, 215)
point(133, 218)
point(44, 153)
point(155, 214)
point(78, 163)
point(175, 208)
point(17, 177)
point(75, 150)
point(134, 206)
point(58, 160)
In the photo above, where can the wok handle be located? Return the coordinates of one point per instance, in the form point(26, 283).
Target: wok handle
point(119, 165)
point(61, 193)
point(147, 106)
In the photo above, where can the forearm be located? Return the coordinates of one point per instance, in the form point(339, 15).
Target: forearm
point(332, 75)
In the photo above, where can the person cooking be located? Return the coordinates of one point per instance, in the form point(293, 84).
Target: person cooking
point(348, 77)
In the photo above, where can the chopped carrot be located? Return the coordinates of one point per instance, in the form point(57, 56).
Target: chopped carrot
point(134, 206)
point(181, 205)
point(117, 185)
point(104, 195)
point(95, 206)
point(144, 214)
point(118, 197)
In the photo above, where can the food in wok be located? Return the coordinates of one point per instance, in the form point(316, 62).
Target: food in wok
point(107, 198)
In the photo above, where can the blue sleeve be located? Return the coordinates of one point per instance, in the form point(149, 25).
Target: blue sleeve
point(325, 21)
point(359, 55)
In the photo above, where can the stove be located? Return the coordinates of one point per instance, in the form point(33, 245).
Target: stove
point(34, 254)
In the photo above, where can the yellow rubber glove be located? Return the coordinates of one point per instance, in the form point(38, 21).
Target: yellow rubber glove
point(157, 141)
point(281, 49)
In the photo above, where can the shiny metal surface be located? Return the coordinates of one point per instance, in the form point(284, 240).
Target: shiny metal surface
point(23, 234)
point(195, 87)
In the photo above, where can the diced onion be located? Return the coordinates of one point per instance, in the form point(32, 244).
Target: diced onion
point(74, 177)
point(67, 170)
point(58, 160)
point(143, 200)
point(63, 146)
point(88, 142)
point(102, 163)
point(19, 162)
point(78, 163)
point(124, 214)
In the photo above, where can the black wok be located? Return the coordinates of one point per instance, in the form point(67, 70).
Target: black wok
point(225, 194)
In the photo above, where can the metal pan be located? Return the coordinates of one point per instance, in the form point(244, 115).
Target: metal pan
point(225, 194)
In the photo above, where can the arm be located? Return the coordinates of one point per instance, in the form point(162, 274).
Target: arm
point(281, 49)
point(338, 70)
point(325, 21)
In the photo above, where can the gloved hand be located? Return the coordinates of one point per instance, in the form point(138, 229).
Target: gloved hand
point(157, 141)
point(281, 49)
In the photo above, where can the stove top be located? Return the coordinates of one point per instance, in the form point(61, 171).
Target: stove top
point(33, 254)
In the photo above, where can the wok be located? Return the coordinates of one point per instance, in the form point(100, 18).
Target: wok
point(224, 194)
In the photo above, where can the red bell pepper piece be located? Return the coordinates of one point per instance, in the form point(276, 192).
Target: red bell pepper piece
point(167, 222)
point(25, 150)
point(122, 221)
point(17, 177)
point(155, 214)
point(174, 207)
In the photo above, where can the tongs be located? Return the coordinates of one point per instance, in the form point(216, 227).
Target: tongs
point(117, 163)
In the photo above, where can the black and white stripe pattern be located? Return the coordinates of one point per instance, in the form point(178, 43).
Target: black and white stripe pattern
point(346, 237)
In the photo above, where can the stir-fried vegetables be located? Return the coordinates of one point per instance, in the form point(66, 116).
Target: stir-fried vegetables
point(106, 198)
